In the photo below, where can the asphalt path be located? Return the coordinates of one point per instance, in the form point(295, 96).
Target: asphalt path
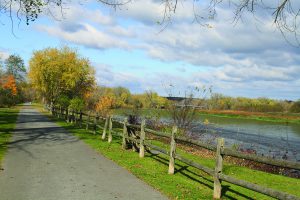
point(45, 162)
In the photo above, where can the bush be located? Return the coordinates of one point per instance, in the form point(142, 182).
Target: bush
point(76, 104)
point(295, 108)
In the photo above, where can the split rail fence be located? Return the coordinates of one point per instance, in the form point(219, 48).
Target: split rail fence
point(140, 144)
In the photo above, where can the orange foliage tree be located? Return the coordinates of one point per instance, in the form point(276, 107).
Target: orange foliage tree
point(104, 105)
point(9, 83)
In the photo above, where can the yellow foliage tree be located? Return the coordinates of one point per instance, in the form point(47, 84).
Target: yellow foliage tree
point(104, 105)
point(54, 72)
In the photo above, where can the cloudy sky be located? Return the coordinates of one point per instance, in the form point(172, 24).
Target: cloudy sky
point(129, 47)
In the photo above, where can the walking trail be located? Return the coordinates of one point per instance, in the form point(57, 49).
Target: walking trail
point(45, 162)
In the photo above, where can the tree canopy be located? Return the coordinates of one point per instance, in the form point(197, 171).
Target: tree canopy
point(12, 80)
point(55, 72)
point(15, 66)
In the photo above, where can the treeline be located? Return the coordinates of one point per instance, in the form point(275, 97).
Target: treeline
point(61, 77)
point(221, 102)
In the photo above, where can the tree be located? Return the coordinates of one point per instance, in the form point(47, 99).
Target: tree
point(104, 105)
point(8, 90)
point(15, 66)
point(121, 96)
point(183, 110)
point(12, 83)
point(1, 67)
point(76, 104)
point(9, 83)
point(54, 72)
point(295, 108)
point(63, 101)
point(284, 13)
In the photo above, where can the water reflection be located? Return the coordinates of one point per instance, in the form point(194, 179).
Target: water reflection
point(277, 140)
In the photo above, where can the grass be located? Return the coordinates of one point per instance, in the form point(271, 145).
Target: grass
point(260, 116)
point(187, 182)
point(8, 117)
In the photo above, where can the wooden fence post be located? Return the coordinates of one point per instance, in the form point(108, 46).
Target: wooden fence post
point(105, 127)
point(75, 117)
point(80, 119)
point(67, 115)
point(142, 138)
point(172, 151)
point(88, 120)
point(125, 134)
point(95, 123)
point(72, 117)
point(110, 129)
point(61, 112)
point(218, 169)
point(58, 112)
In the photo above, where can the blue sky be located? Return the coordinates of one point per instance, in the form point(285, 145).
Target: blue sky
point(128, 48)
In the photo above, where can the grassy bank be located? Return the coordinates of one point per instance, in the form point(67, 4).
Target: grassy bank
point(270, 117)
point(8, 117)
point(187, 183)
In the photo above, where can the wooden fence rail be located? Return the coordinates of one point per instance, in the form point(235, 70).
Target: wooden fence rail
point(218, 176)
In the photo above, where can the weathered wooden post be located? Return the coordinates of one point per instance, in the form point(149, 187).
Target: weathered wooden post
point(95, 123)
point(218, 169)
point(52, 109)
point(110, 129)
point(80, 119)
point(125, 134)
point(72, 116)
point(67, 115)
point(105, 127)
point(172, 151)
point(142, 139)
point(135, 145)
point(88, 120)
point(61, 112)
point(58, 112)
point(75, 117)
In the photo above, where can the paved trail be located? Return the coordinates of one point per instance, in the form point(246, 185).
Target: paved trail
point(45, 162)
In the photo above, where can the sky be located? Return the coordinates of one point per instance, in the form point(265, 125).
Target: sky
point(131, 47)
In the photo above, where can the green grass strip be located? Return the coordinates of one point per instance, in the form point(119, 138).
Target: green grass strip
point(8, 117)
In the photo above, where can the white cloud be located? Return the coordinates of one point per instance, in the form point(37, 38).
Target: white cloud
point(87, 36)
point(249, 56)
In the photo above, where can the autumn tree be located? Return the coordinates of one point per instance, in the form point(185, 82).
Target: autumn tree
point(63, 101)
point(12, 71)
point(295, 108)
point(104, 105)
point(8, 90)
point(54, 72)
point(9, 83)
point(121, 96)
point(76, 104)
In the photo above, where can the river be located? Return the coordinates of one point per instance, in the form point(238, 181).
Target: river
point(273, 139)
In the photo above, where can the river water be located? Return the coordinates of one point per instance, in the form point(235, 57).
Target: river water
point(273, 139)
